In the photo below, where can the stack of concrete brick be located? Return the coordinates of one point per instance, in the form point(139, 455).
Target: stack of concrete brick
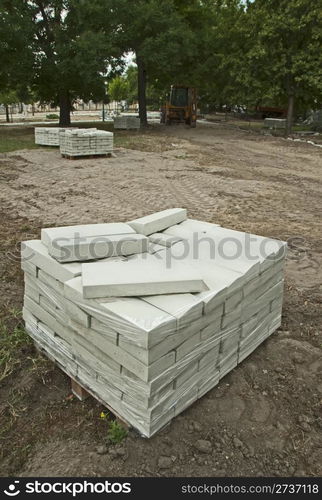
point(85, 142)
point(127, 122)
point(152, 354)
point(275, 123)
point(48, 136)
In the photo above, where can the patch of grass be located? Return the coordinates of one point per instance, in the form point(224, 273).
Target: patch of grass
point(116, 432)
point(15, 138)
point(25, 227)
point(22, 137)
point(128, 142)
point(302, 128)
point(10, 341)
point(247, 125)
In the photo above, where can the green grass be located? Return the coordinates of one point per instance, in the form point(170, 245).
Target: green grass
point(248, 124)
point(11, 339)
point(116, 432)
point(302, 128)
point(15, 138)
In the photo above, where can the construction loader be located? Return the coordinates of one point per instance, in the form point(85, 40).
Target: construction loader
point(181, 106)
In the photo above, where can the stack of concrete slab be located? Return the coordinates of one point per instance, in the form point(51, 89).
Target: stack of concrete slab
point(85, 142)
point(49, 136)
point(275, 123)
point(127, 122)
point(150, 355)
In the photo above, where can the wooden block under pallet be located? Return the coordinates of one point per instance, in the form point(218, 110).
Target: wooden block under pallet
point(78, 390)
point(81, 393)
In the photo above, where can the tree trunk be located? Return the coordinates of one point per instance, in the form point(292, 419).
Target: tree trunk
point(290, 114)
point(142, 91)
point(7, 113)
point(64, 109)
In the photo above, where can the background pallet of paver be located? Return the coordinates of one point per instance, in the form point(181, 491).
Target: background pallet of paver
point(126, 122)
point(85, 142)
point(151, 356)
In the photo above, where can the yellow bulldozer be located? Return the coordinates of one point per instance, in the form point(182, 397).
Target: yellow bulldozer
point(181, 106)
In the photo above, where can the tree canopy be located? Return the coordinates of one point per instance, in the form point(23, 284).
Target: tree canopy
point(285, 59)
point(67, 56)
point(233, 51)
point(119, 88)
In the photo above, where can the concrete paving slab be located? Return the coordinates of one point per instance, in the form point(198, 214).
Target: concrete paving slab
point(100, 360)
point(48, 319)
point(211, 319)
point(29, 268)
point(158, 221)
point(242, 252)
point(46, 279)
point(248, 326)
point(210, 358)
point(188, 373)
point(221, 283)
point(97, 247)
point(107, 391)
point(140, 322)
point(230, 319)
point(260, 286)
point(150, 355)
point(54, 301)
point(211, 250)
point(28, 317)
point(77, 314)
point(94, 341)
point(163, 239)
point(138, 278)
point(186, 400)
point(250, 309)
point(31, 292)
point(155, 247)
point(232, 302)
point(263, 329)
point(146, 403)
point(194, 225)
point(277, 304)
point(49, 234)
point(47, 305)
point(35, 252)
point(184, 306)
point(55, 347)
point(188, 346)
point(209, 383)
point(103, 329)
point(213, 329)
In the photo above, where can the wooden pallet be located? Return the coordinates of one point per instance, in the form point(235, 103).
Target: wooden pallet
point(86, 157)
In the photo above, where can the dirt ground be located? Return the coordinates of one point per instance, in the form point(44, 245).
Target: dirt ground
point(265, 417)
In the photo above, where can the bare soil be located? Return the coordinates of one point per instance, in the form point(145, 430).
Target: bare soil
point(265, 417)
